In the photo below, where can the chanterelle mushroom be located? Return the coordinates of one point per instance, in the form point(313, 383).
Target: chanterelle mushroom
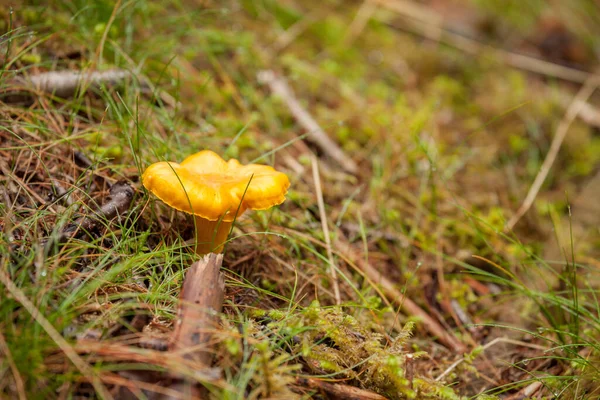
point(215, 191)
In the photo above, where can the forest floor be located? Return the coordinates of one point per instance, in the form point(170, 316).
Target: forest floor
point(443, 244)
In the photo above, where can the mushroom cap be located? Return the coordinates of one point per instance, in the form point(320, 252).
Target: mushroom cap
point(207, 186)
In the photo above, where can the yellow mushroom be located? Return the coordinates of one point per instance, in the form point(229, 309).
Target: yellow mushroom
point(216, 192)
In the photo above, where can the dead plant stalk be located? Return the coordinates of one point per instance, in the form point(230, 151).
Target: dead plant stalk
point(325, 227)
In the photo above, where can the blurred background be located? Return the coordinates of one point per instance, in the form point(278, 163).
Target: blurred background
point(460, 169)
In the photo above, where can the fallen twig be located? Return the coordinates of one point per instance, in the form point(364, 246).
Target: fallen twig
point(576, 106)
point(280, 88)
point(121, 195)
point(62, 83)
point(82, 160)
point(61, 192)
point(67, 83)
point(338, 390)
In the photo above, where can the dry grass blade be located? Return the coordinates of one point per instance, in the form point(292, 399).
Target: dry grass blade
point(280, 88)
point(106, 351)
point(323, 215)
point(527, 391)
point(81, 365)
point(576, 106)
point(20, 386)
point(363, 15)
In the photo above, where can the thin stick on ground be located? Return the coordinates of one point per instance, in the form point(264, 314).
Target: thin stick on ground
point(280, 87)
point(79, 363)
point(323, 216)
point(576, 106)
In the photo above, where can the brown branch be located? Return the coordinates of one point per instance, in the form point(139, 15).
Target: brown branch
point(316, 134)
point(121, 196)
point(561, 132)
point(62, 83)
point(339, 391)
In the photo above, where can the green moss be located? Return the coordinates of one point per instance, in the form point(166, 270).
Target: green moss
point(334, 342)
point(329, 31)
point(461, 292)
point(31, 58)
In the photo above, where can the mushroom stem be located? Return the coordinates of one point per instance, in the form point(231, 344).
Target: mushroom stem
point(211, 235)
